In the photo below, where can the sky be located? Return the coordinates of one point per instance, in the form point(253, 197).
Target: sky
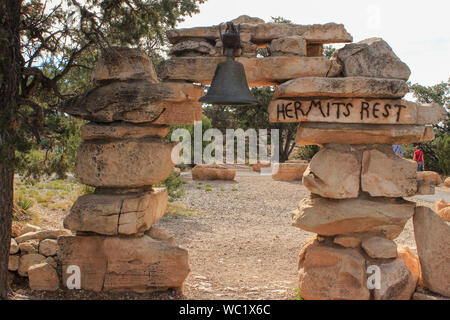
point(417, 31)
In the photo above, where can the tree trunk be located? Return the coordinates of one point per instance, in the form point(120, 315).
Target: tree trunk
point(9, 88)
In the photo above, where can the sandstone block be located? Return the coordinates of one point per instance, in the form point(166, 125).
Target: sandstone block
point(380, 248)
point(323, 179)
point(372, 58)
point(430, 176)
point(13, 263)
point(355, 110)
point(124, 64)
point(139, 264)
point(159, 234)
point(257, 166)
point(212, 172)
point(447, 182)
point(432, 236)
point(247, 19)
point(137, 101)
point(425, 187)
point(30, 246)
point(347, 241)
point(442, 208)
point(43, 234)
point(28, 260)
point(316, 133)
point(48, 247)
point(349, 87)
point(293, 45)
point(384, 174)
point(108, 214)
point(43, 277)
point(124, 163)
point(13, 247)
point(412, 262)
point(289, 171)
point(122, 130)
point(259, 72)
point(397, 282)
point(330, 217)
point(266, 32)
point(327, 273)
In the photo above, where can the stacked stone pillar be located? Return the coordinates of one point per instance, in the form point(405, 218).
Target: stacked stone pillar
point(357, 182)
point(123, 155)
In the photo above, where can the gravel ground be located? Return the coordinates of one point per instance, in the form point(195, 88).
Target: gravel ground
point(240, 240)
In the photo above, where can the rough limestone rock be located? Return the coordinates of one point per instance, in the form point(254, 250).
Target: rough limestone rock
point(397, 282)
point(43, 234)
point(380, 248)
point(372, 58)
point(316, 133)
point(347, 241)
point(124, 64)
point(159, 234)
point(124, 163)
point(425, 187)
point(259, 72)
point(28, 260)
point(327, 273)
point(428, 296)
point(24, 228)
point(192, 48)
point(30, 246)
point(13, 247)
point(330, 217)
point(137, 101)
point(294, 45)
point(442, 208)
point(447, 182)
point(432, 236)
point(247, 19)
point(122, 130)
point(43, 277)
point(323, 178)
point(289, 171)
point(138, 264)
point(48, 247)
point(412, 262)
point(13, 263)
point(266, 32)
point(212, 172)
point(430, 176)
point(342, 87)
point(384, 174)
point(110, 214)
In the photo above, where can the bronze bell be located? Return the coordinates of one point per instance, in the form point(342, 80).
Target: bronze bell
point(229, 85)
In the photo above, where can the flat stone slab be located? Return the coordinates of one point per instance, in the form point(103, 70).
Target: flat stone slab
point(139, 264)
point(355, 110)
point(288, 171)
point(113, 214)
point(358, 87)
point(266, 32)
point(122, 130)
point(330, 217)
point(212, 172)
point(259, 71)
point(317, 133)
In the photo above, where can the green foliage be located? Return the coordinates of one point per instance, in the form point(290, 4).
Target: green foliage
point(208, 188)
point(280, 20)
point(328, 51)
point(297, 294)
point(24, 203)
point(307, 152)
point(174, 184)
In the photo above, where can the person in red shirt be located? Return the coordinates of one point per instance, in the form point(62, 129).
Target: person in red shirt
point(418, 157)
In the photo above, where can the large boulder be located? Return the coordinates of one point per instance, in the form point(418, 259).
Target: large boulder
point(28, 260)
point(48, 247)
point(384, 174)
point(430, 176)
point(327, 273)
point(432, 236)
point(13, 263)
point(289, 171)
point(293, 45)
point(442, 208)
point(124, 64)
point(397, 282)
point(329, 217)
point(212, 172)
point(124, 264)
point(43, 277)
point(323, 179)
point(412, 262)
point(124, 163)
point(372, 58)
point(112, 214)
point(447, 182)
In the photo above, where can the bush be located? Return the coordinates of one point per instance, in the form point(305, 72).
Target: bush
point(307, 152)
point(24, 203)
point(174, 184)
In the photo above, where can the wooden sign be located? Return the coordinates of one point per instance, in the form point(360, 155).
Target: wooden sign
point(355, 110)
